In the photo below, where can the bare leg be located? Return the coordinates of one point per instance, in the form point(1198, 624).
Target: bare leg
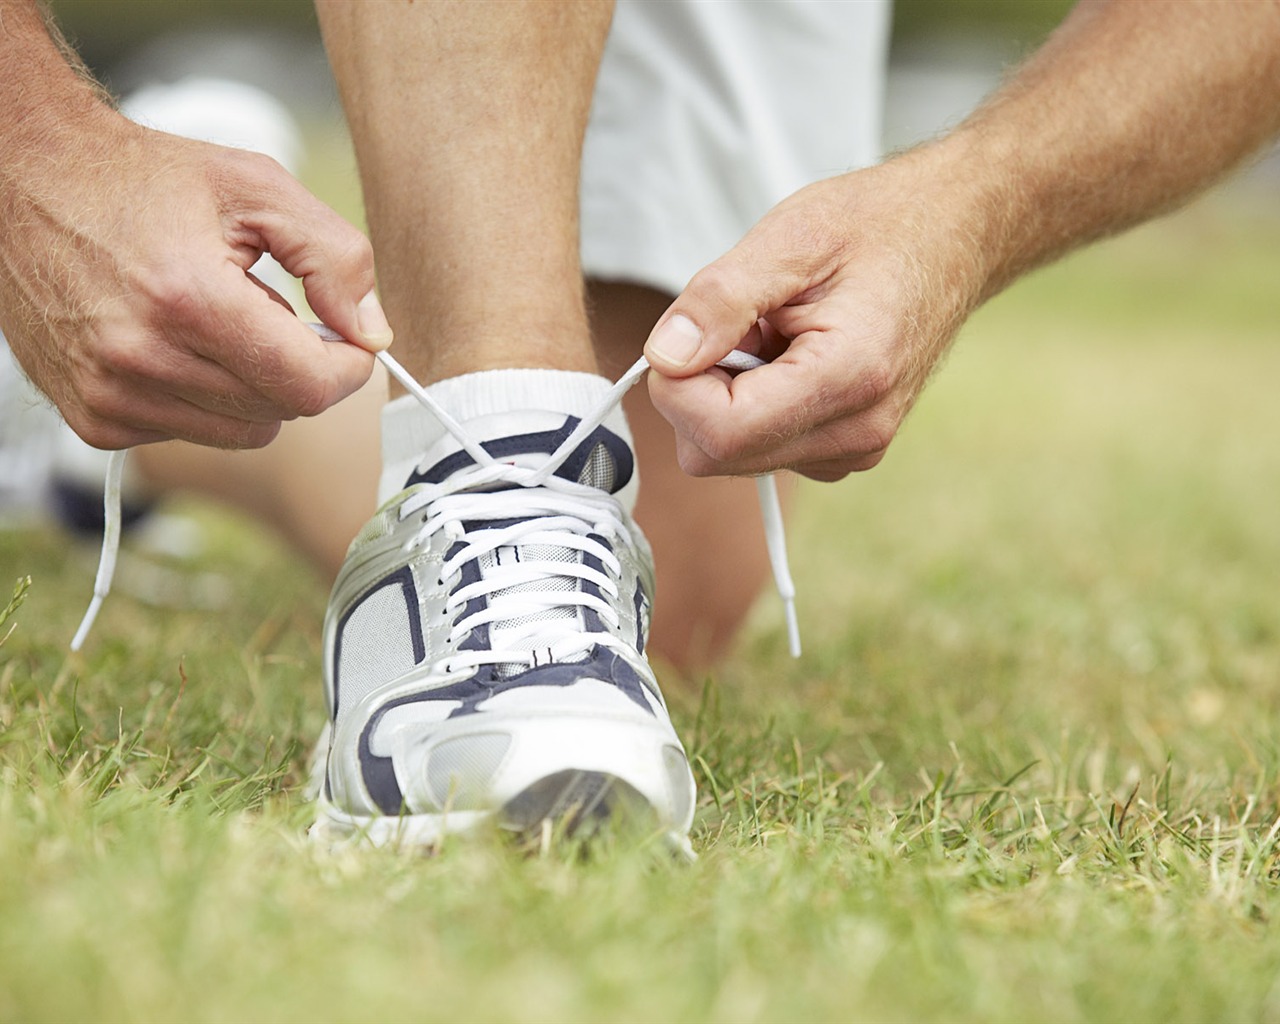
point(278, 485)
point(708, 542)
point(468, 122)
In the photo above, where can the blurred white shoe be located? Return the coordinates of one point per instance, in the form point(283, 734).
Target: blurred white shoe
point(29, 429)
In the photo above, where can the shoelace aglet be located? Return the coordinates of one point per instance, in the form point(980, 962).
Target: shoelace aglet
point(110, 544)
point(793, 626)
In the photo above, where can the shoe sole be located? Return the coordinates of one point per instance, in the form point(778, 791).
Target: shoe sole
point(569, 804)
point(575, 803)
point(615, 762)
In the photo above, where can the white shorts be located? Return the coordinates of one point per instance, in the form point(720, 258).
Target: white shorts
point(707, 113)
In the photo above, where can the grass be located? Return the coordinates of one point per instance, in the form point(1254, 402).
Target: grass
point(1028, 769)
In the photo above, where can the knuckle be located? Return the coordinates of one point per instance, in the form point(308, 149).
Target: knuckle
point(167, 285)
point(124, 355)
point(869, 461)
point(258, 435)
point(719, 445)
point(694, 462)
point(854, 446)
point(877, 435)
point(871, 386)
point(96, 431)
point(98, 398)
point(227, 164)
point(339, 253)
point(824, 473)
point(717, 287)
point(354, 259)
point(831, 471)
point(231, 434)
point(88, 429)
point(308, 398)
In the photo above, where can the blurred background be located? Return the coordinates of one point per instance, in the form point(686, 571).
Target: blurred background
point(122, 39)
point(946, 54)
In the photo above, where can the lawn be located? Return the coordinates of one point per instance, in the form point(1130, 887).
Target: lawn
point(1028, 768)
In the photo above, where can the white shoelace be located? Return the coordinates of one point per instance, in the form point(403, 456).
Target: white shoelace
point(531, 596)
point(565, 512)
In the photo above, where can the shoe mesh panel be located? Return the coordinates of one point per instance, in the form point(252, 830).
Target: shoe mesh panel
point(376, 645)
point(600, 471)
point(460, 771)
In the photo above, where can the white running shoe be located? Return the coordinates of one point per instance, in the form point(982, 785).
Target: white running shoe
point(484, 646)
point(29, 429)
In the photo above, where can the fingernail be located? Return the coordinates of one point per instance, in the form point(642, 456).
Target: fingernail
point(676, 341)
point(375, 332)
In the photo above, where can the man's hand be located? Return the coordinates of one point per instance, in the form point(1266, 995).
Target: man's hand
point(851, 293)
point(855, 286)
point(124, 259)
point(126, 295)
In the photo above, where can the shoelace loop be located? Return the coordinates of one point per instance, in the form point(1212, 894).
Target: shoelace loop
point(770, 508)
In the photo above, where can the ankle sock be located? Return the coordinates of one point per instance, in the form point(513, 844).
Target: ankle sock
point(545, 397)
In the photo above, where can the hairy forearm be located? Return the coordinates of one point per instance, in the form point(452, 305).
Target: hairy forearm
point(55, 122)
point(45, 90)
point(1131, 107)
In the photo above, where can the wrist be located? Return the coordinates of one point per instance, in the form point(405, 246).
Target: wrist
point(941, 214)
point(975, 205)
point(50, 106)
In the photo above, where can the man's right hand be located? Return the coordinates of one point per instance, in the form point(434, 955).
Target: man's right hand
point(124, 284)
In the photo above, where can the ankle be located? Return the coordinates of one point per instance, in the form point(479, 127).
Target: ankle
point(552, 396)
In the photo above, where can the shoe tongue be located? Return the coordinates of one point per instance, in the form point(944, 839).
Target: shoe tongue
point(603, 460)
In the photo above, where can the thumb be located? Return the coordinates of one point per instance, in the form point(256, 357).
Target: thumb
point(720, 307)
point(334, 261)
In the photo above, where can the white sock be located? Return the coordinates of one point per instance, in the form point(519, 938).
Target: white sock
point(409, 429)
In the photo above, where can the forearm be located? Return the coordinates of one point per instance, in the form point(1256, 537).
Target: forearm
point(57, 127)
point(45, 91)
point(1128, 109)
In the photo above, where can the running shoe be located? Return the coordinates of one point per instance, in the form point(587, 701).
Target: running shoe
point(484, 647)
